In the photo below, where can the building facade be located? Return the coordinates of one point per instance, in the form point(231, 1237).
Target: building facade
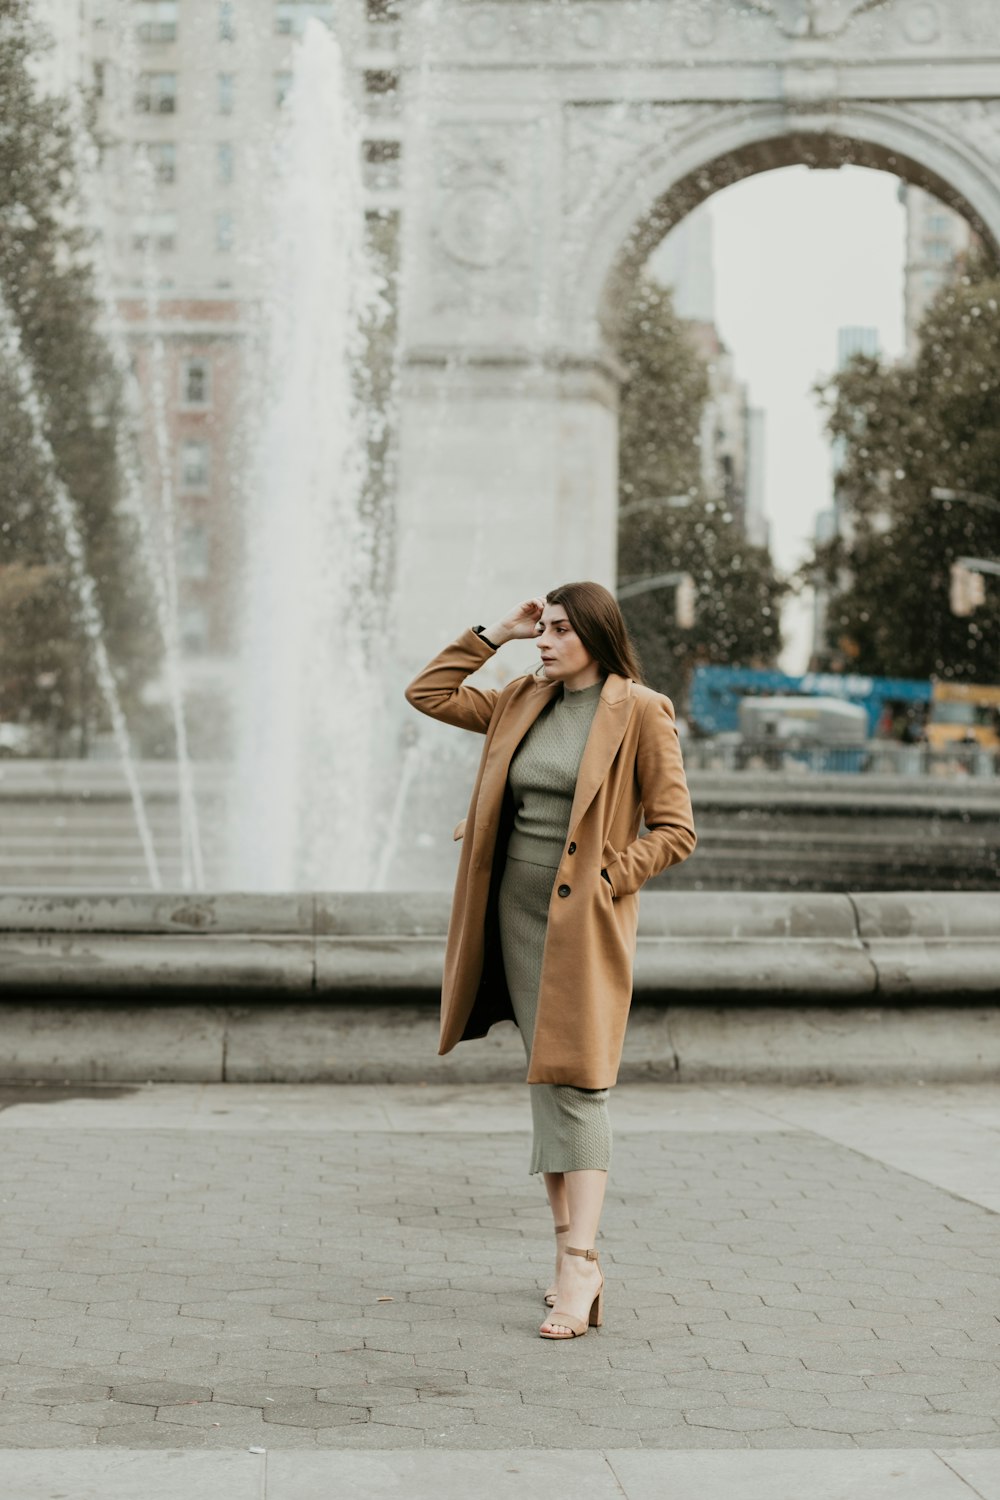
point(732, 432)
point(189, 99)
point(937, 241)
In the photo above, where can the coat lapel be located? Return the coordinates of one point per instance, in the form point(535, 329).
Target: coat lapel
point(520, 714)
point(614, 709)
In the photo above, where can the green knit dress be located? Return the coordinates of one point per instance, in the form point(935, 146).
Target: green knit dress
point(572, 1131)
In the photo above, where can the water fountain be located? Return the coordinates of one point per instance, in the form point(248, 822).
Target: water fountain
point(155, 519)
point(310, 751)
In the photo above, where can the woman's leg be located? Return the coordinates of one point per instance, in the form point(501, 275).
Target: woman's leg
point(555, 1188)
point(585, 1199)
point(579, 1279)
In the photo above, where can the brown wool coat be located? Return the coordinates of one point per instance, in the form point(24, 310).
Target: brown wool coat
point(631, 770)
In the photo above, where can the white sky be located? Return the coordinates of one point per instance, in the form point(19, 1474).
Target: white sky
point(799, 254)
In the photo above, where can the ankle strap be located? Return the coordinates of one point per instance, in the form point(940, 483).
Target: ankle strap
point(589, 1254)
point(562, 1229)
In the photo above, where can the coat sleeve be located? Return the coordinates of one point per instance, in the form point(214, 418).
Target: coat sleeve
point(440, 690)
point(666, 804)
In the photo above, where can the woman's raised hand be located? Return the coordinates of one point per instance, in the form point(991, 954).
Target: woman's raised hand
point(520, 623)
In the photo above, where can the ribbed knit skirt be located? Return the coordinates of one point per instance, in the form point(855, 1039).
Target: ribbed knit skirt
point(572, 1131)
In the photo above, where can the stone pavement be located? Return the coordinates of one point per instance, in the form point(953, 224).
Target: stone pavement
point(315, 1288)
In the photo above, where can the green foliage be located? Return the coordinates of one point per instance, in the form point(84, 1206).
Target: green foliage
point(904, 430)
point(661, 401)
point(46, 676)
point(737, 595)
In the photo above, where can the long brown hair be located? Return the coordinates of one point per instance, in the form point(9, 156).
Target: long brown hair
point(595, 615)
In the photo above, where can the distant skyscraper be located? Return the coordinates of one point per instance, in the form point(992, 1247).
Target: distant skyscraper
point(852, 341)
point(685, 262)
point(754, 520)
point(937, 241)
point(732, 436)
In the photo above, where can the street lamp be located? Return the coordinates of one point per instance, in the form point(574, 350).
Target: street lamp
point(674, 502)
point(966, 497)
point(967, 591)
point(683, 602)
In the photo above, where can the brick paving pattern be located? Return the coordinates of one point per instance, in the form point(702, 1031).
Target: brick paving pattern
point(169, 1288)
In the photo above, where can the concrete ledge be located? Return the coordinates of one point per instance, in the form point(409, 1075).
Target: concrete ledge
point(344, 988)
point(691, 945)
point(922, 945)
point(265, 1042)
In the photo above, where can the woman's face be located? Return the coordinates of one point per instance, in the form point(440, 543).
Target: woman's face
point(563, 653)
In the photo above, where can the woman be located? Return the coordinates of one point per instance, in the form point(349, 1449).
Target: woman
point(544, 917)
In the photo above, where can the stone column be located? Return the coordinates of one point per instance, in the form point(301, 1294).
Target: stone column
point(508, 440)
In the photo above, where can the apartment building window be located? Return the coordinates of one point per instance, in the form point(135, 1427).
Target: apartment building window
point(282, 87)
point(226, 92)
point(194, 628)
point(196, 381)
point(290, 16)
point(224, 232)
point(381, 92)
point(162, 159)
point(155, 232)
point(194, 464)
point(225, 163)
point(156, 94)
point(156, 20)
point(382, 164)
point(192, 552)
point(227, 21)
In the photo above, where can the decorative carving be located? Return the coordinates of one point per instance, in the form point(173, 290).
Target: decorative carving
point(700, 30)
point(483, 28)
point(603, 139)
point(976, 121)
point(589, 25)
point(485, 204)
point(478, 225)
point(922, 24)
point(814, 18)
point(602, 33)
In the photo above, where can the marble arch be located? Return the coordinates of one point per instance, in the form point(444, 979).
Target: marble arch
point(640, 206)
point(548, 144)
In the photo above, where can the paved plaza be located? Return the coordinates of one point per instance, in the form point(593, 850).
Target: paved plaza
point(301, 1291)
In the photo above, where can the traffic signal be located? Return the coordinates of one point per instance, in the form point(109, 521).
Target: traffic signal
point(967, 590)
point(684, 599)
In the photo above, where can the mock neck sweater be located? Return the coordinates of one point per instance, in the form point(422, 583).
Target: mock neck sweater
point(543, 776)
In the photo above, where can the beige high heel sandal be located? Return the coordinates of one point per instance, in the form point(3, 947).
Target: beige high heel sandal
point(550, 1296)
point(577, 1326)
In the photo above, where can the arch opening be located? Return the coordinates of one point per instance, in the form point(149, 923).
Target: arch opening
point(659, 193)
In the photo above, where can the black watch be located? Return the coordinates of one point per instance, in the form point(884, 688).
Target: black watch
point(480, 630)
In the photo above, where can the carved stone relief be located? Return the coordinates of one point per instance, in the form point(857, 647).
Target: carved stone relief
point(976, 121)
point(485, 217)
point(814, 18)
point(607, 32)
point(922, 23)
point(603, 141)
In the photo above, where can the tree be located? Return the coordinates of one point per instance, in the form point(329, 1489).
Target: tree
point(905, 430)
point(737, 595)
point(46, 672)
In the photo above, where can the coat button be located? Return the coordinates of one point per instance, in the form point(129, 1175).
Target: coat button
point(571, 849)
point(563, 890)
